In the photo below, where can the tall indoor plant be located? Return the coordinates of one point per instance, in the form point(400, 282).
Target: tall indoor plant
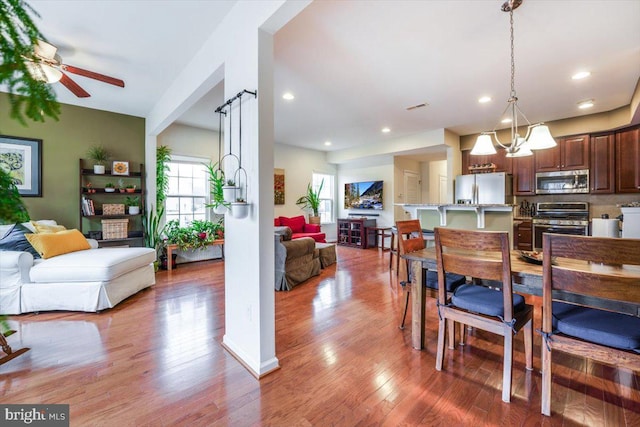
point(311, 201)
point(153, 214)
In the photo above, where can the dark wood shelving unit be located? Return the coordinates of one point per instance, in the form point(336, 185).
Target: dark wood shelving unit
point(357, 232)
point(90, 224)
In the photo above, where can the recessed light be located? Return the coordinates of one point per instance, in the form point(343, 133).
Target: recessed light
point(288, 96)
point(586, 104)
point(327, 143)
point(581, 75)
point(506, 120)
point(484, 99)
point(386, 130)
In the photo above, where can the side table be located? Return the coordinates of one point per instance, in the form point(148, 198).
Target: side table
point(381, 233)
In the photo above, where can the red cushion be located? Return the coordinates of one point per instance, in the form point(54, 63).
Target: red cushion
point(276, 222)
point(296, 224)
point(312, 228)
point(318, 237)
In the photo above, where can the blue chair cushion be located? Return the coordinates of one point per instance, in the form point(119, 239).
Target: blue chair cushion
point(598, 326)
point(453, 280)
point(479, 299)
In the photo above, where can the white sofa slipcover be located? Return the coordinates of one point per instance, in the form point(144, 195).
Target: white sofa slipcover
point(90, 280)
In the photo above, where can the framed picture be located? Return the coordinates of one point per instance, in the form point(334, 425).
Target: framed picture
point(278, 186)
point(120, 168)
point(22, 158)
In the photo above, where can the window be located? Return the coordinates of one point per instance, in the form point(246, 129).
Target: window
point(326, 196)
point(188, 191)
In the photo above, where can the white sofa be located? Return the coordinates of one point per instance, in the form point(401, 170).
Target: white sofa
point(88, 280)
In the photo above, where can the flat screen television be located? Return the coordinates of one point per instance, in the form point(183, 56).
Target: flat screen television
point(363, 195)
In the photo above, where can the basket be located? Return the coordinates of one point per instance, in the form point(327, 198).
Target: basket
point(114, 229)
point(113, 209)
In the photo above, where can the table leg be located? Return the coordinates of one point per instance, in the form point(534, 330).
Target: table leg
point(418, 303)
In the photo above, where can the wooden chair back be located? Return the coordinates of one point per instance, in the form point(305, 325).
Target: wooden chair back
point(410, 237)
point(479, 254)
point(590, 267)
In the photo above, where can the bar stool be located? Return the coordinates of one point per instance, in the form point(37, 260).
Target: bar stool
point(393, 249)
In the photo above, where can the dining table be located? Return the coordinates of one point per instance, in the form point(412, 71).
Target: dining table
point(526, 279)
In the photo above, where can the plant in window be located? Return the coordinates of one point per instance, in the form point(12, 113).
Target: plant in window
point(311, 201)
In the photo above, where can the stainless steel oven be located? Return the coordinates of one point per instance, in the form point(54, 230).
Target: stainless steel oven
point(560, 218)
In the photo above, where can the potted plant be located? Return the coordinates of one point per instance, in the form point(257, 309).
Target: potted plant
point(229, 191)
point(109, 187)
point(99, 155)
point(216, 184)
point(130, 188)
point(134, 205)
point(311, 201)
point(121, 185)
point(239, 208)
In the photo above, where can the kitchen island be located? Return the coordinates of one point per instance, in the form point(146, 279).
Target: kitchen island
point(493, 217)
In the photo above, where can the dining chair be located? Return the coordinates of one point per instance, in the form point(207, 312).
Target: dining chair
point(411, 239)
point(483, 255)
point(591, 267)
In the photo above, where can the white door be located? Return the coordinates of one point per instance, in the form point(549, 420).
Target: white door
point(412, 188)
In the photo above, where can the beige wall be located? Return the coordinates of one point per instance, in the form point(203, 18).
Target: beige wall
point(190, 141)
point(63, 143)
point(299, 165)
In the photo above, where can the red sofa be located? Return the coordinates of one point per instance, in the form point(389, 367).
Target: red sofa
point(300, 228)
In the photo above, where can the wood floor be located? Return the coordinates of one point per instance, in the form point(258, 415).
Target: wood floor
point(156, 360)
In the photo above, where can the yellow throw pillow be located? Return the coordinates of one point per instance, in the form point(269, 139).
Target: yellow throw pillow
point(44, 228)
point(49, 245)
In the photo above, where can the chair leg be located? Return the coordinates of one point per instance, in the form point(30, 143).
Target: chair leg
point(507, 362)
point(463, 332)
point(406, 305)
point(440, 351)
point(528, 344)
point(452, 333)
point(546, 380)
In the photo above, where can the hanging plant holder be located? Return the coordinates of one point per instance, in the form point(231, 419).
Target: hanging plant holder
point(235, 190)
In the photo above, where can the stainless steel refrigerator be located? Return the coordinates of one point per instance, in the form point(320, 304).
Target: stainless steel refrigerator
point(484, 189)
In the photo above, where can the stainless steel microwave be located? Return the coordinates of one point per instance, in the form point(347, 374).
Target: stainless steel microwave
point(562, 182)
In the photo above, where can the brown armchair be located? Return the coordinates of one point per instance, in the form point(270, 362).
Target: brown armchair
point(295, 260)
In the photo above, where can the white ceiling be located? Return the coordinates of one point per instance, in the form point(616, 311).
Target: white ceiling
point(355, 66)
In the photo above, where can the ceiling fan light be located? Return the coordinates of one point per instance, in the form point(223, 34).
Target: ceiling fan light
point(52, 75)
point(483, 146)
point(45, 50)
point(541, 138)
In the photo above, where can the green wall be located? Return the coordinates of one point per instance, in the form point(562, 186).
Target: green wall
point(63, 143)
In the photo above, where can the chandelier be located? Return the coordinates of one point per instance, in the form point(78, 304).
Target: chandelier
point(538, 136)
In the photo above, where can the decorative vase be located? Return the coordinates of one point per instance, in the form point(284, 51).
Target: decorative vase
point(98, 169)
point(239, 209)
point(134, 210)
point(229, 193)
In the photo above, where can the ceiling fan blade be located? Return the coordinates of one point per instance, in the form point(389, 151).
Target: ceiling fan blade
point(92, 75)
point(73, 87)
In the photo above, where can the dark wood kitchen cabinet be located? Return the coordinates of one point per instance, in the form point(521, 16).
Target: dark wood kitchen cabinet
point(602, 164)
point(523, 235)
point(571, 153)
point(500, 160)
point(628, 161)
point(524, 177)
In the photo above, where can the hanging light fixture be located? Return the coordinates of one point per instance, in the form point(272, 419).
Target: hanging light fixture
point(538, 136)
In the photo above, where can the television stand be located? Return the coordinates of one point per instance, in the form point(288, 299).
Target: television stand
point(357, 232)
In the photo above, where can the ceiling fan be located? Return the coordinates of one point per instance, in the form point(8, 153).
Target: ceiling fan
point(49, 68)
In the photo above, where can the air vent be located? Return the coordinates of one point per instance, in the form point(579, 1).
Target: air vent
point(413, 107)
